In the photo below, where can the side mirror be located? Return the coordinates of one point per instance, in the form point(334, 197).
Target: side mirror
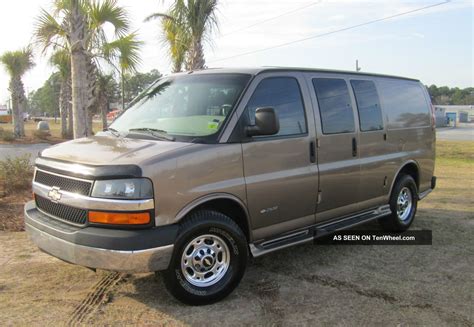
point(266, 123)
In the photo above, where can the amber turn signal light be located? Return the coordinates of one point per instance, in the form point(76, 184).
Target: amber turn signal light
point(119, 218)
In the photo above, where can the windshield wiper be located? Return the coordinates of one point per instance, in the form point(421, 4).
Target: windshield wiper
point(113, 131)
point(157, 133)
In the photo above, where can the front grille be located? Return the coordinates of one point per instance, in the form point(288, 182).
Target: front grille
point(64, 183)
point(61, 211)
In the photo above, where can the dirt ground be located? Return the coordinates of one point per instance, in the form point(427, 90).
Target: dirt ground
point(30, 128)
point(304, 285)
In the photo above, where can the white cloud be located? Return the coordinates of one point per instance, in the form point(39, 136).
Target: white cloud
point(336, 17)
point(418, 35)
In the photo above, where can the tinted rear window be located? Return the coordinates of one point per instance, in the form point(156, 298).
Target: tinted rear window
point(368, 105)
point(404, 104)
point(334, 105)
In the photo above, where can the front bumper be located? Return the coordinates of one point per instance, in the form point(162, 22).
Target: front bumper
point(100, 248)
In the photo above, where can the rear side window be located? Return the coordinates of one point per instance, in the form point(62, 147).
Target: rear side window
point(283, 94)
point(404, 104)
point(334, 105)
point(368, 105)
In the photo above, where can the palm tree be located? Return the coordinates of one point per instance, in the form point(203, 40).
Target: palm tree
point(186, 26)
point(175, 37)
point(178, 43)
point(62, 61)
point(202, 19)
point(78, 25)
point(124, 51)
point(17, 63)
point(105, 85)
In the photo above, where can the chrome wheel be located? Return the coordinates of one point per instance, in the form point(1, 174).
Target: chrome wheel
point(404, 204)
point(205, 260)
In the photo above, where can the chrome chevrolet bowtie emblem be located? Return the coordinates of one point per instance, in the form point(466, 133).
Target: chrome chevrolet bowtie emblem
point(54, 194)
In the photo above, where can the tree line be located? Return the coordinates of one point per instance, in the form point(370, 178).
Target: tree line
point(451, 96)
point(72, 35)
point(46, 98)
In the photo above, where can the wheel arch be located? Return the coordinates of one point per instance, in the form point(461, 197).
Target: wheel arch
point(410, 168)
point(225, 203)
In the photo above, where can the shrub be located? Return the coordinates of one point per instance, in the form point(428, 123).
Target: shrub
point(16, 173)
point(7, 136)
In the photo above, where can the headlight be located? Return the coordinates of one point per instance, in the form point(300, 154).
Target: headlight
point(136, 188)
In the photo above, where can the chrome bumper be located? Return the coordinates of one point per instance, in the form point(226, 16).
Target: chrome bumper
point(125, 261)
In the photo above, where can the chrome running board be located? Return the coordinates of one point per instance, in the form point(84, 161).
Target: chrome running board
point(424, 194)
point(318, 230)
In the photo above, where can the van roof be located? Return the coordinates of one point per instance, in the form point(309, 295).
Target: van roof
point(259, 70)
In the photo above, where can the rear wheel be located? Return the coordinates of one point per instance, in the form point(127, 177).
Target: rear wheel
point(403, 203)
point(209, 259)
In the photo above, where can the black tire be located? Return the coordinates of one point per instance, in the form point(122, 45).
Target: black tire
point(207, 222)
point(393, 222)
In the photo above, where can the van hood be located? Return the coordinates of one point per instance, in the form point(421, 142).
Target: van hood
point(107, 150)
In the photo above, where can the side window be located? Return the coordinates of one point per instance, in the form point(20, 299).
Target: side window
point(334, 105)
point(283, 94)
point(368, 105)
point(404, 104)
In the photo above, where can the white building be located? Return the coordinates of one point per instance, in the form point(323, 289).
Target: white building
point(3, 110)
point(462, 112)
point(440, 115)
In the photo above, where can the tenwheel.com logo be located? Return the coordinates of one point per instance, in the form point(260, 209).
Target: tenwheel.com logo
point(360, 237)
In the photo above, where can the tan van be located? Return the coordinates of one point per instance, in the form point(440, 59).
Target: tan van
point(208, 168)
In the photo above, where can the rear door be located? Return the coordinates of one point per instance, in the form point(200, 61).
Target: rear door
point(375, 161)
point(337, 133)
point(280, 173)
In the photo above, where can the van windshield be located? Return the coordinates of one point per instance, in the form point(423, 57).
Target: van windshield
point(189, 108)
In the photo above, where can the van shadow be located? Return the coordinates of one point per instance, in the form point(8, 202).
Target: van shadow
point(257, 299)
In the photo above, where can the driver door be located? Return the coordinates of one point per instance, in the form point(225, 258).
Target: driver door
point(280, 170)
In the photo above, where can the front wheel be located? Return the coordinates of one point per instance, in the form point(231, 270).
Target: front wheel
point(209, 259)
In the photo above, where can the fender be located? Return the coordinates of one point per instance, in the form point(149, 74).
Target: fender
point(209, 197)
point(398, 172)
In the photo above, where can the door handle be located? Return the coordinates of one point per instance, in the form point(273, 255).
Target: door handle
point(312, 152)
point(354, 147)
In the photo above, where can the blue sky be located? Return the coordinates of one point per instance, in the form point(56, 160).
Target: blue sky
point(434, 45)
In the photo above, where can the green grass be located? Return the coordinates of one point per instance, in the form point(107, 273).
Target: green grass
point(455, 152)
point(454, 169)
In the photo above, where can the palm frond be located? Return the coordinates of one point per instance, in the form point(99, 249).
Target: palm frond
point(108, 11)
point(202, 17)
point(158, 16)
point(17, 63)
point(61, 59)
point(175, 33)
point(186, 25)
point(48, 31)
point(177, 41)
point(64, 6)
point(126, 50)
